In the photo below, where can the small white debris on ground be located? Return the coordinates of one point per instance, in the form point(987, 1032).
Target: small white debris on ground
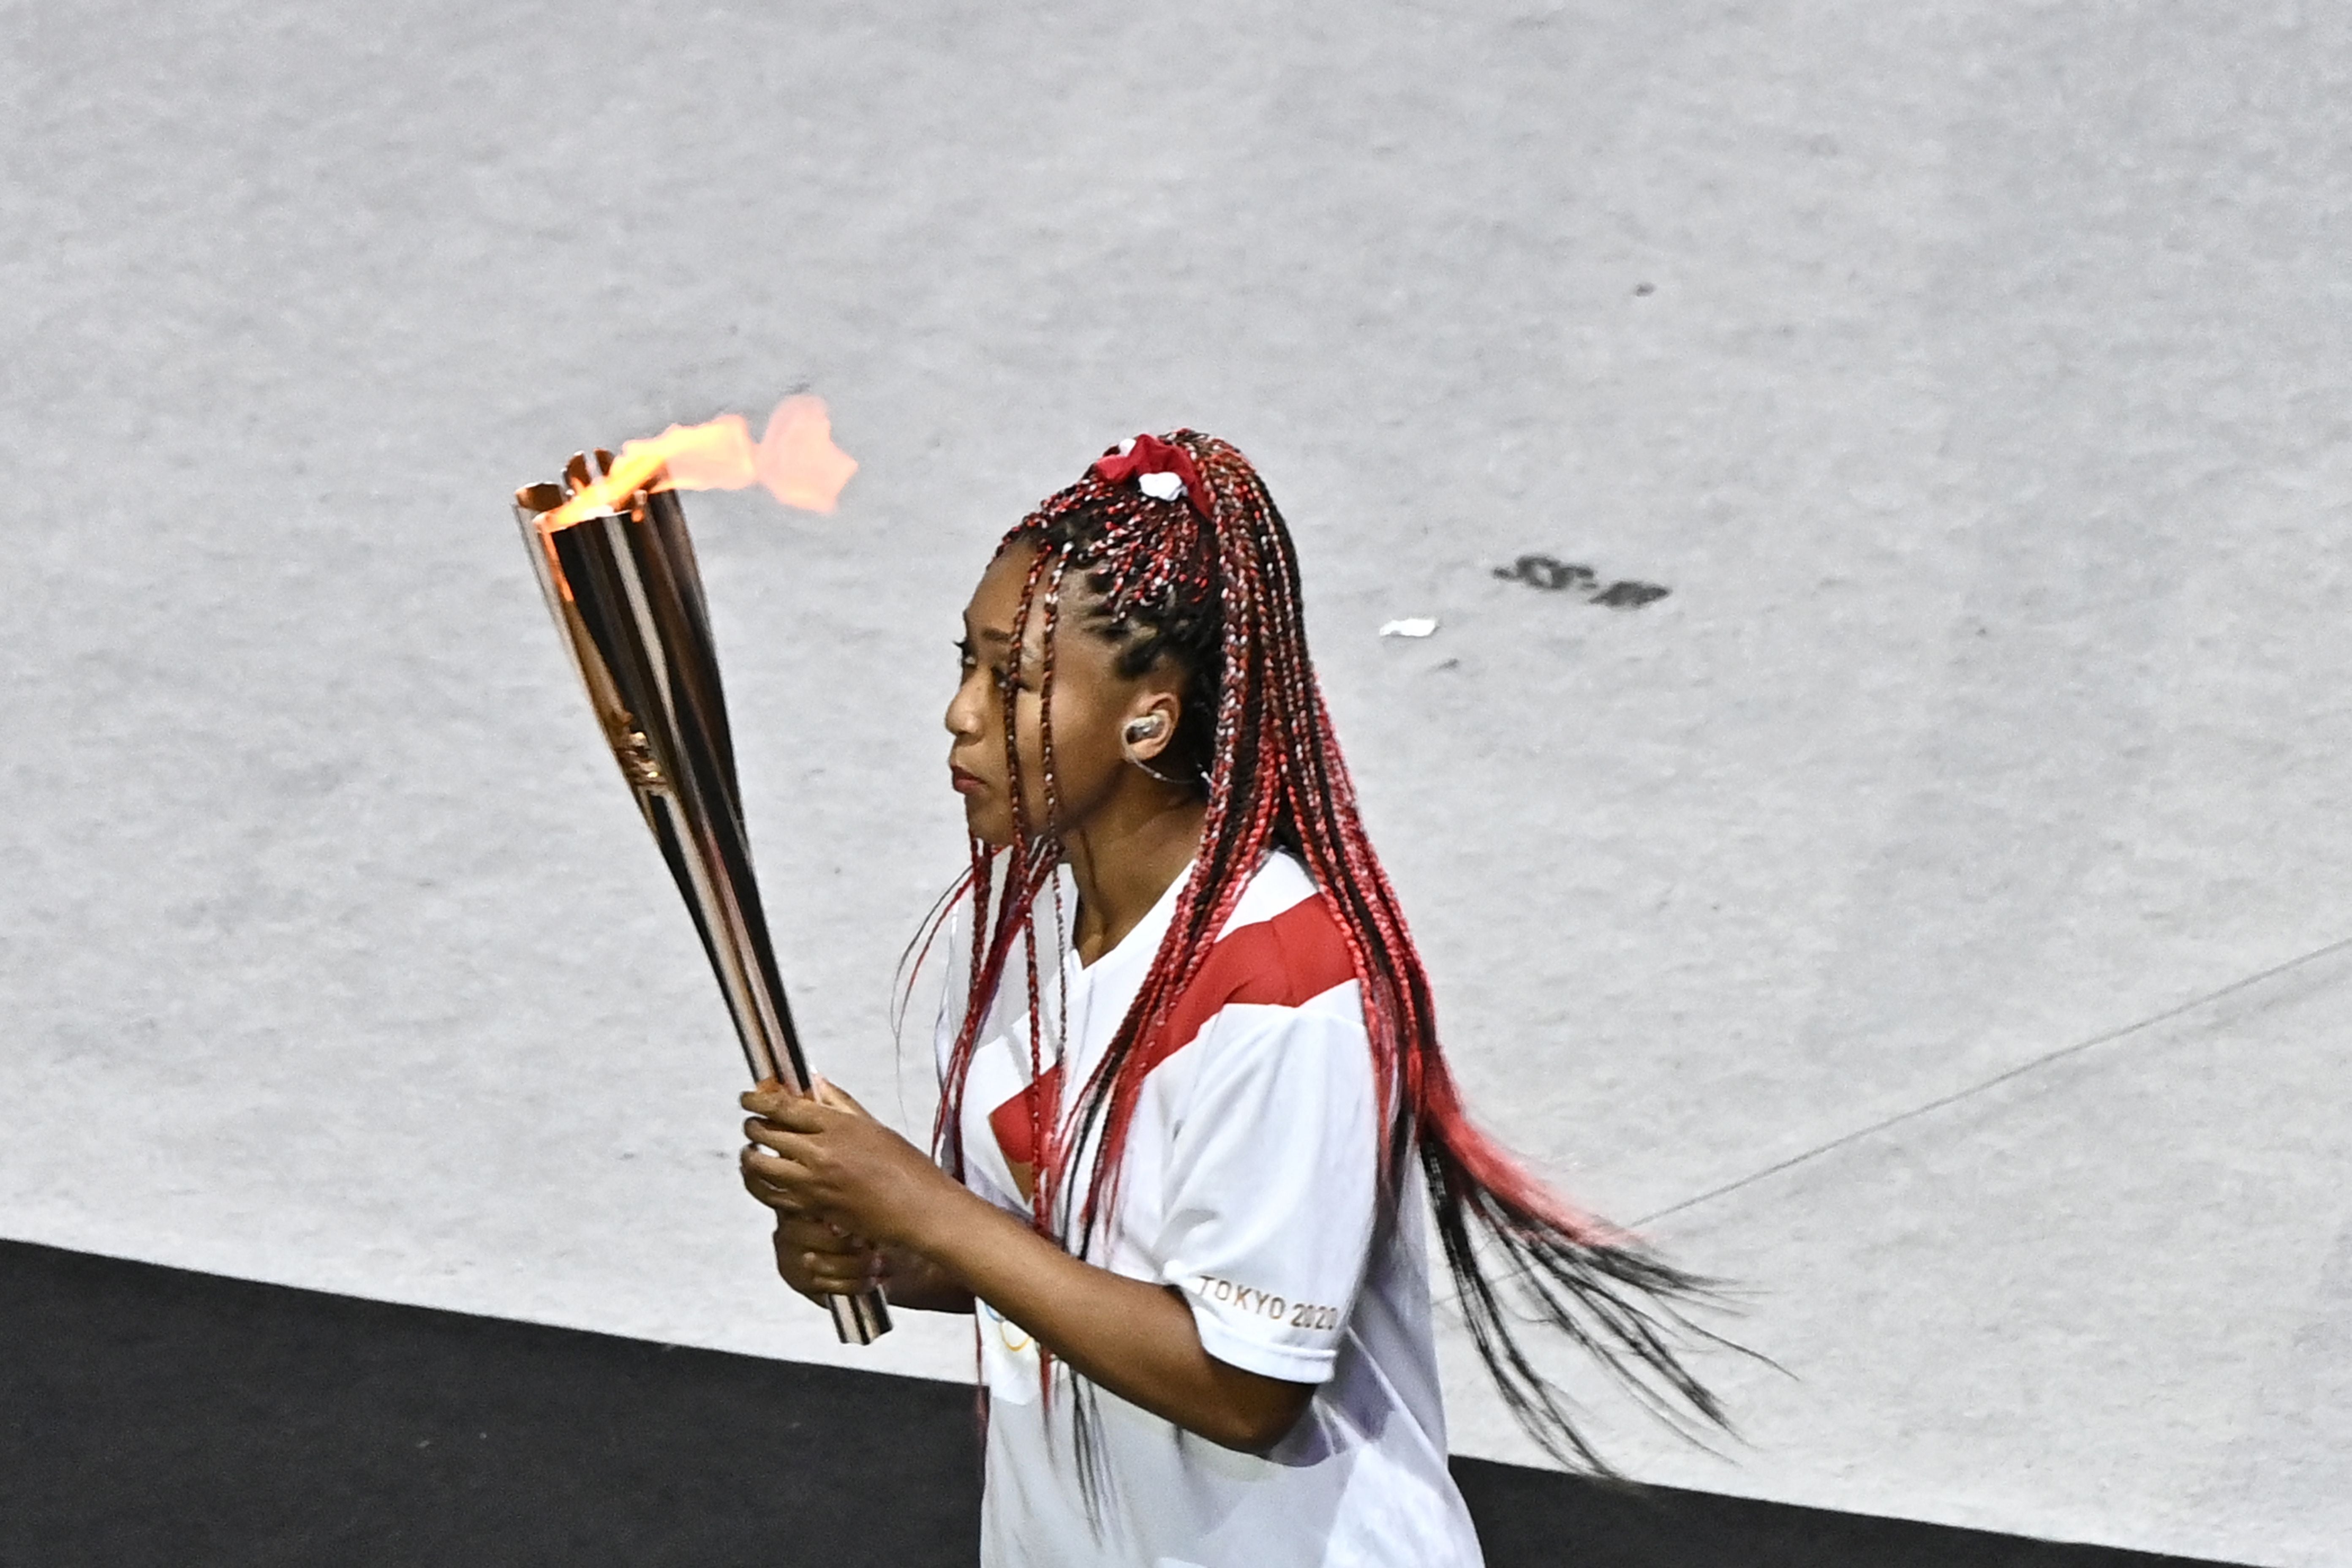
point(1410, 626)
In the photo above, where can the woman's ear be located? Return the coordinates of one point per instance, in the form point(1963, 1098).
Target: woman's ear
point(1149, 728)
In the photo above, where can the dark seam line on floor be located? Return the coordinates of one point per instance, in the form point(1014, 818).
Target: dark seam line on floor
point(2061, 1054)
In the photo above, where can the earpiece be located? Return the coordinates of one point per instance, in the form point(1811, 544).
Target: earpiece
point(1151, 727)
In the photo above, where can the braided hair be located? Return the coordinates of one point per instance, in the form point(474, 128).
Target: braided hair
point(1209, 582)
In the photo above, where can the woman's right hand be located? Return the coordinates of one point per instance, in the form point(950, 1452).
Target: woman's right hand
point(818, 1261)
point(815, 1259)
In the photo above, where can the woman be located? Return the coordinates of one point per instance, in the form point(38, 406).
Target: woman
point(1190, 1084)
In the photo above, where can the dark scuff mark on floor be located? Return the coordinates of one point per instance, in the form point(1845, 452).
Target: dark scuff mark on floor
point(1552, 575)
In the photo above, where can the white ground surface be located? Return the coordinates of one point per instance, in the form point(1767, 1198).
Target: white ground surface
point(1987, 415)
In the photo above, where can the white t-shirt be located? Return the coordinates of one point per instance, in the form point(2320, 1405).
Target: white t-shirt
point(1250, 1183)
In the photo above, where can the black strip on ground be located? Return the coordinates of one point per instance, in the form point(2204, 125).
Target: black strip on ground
point(154, 1416)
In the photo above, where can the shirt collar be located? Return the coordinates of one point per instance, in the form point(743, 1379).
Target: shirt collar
point(1138, 946)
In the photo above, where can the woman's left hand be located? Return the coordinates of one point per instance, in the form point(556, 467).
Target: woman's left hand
point(836, 1162)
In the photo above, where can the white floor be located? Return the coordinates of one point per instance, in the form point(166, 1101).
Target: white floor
point(1978, 378)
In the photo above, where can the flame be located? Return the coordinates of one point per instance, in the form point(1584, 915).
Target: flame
point(795, 459)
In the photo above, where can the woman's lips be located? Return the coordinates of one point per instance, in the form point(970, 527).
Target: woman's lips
point(966, 782)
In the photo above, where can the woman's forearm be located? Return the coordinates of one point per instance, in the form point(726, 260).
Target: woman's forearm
point(1134, 1338)
point(913, 1281)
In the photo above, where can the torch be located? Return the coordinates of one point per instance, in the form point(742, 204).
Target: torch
point(615, 561)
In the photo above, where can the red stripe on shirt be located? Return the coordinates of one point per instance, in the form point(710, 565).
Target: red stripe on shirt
point(1285, 962)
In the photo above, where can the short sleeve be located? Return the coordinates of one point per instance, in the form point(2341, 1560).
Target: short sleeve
point(1271, 1196)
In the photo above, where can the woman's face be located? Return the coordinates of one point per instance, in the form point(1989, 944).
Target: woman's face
point(1093, 705)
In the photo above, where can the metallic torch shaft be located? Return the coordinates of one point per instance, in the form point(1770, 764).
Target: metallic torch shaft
point(626, 595)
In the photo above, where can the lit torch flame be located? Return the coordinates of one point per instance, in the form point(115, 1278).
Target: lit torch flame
point(796, 459)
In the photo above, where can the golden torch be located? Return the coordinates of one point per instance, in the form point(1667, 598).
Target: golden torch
point(614, 559)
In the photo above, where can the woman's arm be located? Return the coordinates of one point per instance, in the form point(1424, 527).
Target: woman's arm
point(914, 1281)
point(1130, 1336)
point(828, 1157)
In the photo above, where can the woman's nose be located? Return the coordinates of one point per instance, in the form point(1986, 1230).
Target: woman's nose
point(962, 716)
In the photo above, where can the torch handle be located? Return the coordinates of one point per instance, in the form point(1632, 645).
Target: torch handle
point(860, 1320)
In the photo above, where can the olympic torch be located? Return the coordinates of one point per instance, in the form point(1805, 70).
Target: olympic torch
point(615, 561)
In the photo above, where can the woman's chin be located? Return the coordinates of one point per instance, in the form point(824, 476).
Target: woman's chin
point(986, 823)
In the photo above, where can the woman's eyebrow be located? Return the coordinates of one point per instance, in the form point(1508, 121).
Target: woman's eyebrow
point(997, 635)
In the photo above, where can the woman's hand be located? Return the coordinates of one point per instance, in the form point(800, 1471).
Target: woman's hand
point(815, 1259)
point(821, 1160)
point(816, 1255)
